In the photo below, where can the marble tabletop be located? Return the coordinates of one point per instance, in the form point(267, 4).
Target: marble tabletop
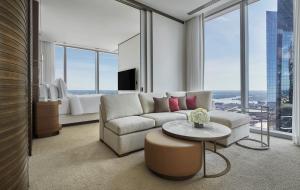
point(184, 129)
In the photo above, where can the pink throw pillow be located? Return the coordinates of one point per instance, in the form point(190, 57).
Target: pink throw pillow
point(173, 103)
point(191, 102)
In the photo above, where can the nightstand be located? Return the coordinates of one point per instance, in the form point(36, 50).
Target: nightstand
point(47, 119)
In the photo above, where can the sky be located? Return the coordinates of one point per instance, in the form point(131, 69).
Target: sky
point(222, 48)
point(81, 66)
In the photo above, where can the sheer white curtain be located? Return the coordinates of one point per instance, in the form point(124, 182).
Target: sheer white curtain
point(195, 53)
point(47, 62)
point(296, 90)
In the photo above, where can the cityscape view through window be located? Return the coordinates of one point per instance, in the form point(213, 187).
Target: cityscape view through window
point(270, 72)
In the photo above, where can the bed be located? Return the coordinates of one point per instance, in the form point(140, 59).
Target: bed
point(79, 108)
point(73, 108)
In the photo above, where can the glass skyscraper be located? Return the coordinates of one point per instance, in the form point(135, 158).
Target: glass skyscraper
point(280, 64)
point(271, 57)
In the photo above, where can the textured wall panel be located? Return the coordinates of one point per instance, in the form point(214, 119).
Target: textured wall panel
point(13, 94)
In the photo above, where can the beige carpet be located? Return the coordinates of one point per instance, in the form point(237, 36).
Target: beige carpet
point(75, 159)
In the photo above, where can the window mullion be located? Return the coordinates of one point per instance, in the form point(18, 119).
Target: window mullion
point(97, 73)
point(244, 54)
point(65, 64)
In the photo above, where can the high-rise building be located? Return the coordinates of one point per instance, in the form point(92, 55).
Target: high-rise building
point(280, 64)
point(271, 57)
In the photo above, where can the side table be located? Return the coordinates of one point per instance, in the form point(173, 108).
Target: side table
point(47, 119)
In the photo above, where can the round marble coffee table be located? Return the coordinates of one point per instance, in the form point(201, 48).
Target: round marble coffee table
point(211, 132)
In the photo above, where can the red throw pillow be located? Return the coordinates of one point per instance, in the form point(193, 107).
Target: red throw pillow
point(191, 102)
point(173, 103)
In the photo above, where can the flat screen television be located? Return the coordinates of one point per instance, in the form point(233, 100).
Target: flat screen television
point(126, 80)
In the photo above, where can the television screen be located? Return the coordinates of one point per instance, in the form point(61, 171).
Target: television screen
point(126, 80)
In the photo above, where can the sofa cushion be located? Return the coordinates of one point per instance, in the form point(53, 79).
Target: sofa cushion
point(121, 105)
point(147, 101)
point(161, 118)
point(186, 112)
point(204, 99)
point(173, 103)
point(161, 104)
point(229, 119)
point(176, 94)
point(182, 103)
point(191, 102)
point(131, 124)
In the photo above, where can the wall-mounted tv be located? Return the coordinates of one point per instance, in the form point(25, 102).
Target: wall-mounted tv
point(126, 80)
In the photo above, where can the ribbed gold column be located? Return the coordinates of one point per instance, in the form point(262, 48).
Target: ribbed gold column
point(13, 94)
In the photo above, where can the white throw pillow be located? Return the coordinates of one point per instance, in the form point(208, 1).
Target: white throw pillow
point(43, 92)
point(62, 88)
point(53, 92)
point(75, 105)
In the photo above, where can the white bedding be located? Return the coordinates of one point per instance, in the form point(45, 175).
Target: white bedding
point(80, 104)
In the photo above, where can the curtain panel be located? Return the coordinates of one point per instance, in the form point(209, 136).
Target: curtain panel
point(296, 90)
point(47, 63)
point(195, 53)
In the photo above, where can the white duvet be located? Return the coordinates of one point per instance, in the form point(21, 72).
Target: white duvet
point(80, 104)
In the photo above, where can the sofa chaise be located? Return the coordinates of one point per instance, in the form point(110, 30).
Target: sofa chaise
point(125, 119)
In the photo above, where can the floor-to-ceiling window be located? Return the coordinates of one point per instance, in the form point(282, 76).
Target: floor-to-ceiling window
point(222, 59)
point(108, 72)
point(269, 50)
point(79, 68)
point(262, 27)
point(270, 66)
point(59, 62)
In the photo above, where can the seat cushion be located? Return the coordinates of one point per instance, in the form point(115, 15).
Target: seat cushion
point(186, 112)
point(131, 124)
point(161, 118)
point(229, 119)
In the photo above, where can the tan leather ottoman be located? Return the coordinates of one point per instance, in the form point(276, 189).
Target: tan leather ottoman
point(172, 158)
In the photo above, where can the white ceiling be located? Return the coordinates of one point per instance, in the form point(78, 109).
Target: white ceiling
point(101, 24)
point(179, 8)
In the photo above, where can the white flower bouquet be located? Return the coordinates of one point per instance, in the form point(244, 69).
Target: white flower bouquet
point(199, 117)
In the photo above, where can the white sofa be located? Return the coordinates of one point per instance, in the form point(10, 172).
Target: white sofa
point(125, 119)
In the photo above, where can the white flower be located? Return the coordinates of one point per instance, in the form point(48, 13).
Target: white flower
point(199, 115)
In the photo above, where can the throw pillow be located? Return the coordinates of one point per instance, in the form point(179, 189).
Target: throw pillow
point(161, 104)
point(181, 102)
point(191, 102)
point(173, 103)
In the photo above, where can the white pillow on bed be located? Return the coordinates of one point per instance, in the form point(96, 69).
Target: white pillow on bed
point(53, 92)
point(43, 92)
point(75, 105)
point(62, 88)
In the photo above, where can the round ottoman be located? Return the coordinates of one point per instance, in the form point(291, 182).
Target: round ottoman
point(172, 158)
